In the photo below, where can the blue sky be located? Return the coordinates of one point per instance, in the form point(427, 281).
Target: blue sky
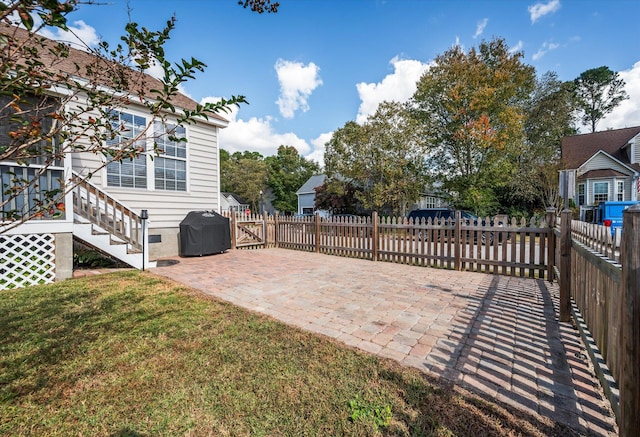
point(318, 64)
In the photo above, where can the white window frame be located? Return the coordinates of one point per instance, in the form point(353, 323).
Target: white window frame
point(174, 152)
point(582, 194)
point(595, 192)
point(138, 182)
point(620, 191)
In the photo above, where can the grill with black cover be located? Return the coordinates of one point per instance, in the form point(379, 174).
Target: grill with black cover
point(204, 233)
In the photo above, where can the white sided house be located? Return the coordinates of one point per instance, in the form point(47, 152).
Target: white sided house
point(602, 166)
point(105, 210)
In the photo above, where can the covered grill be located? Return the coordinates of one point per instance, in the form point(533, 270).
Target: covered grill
point(204, 233)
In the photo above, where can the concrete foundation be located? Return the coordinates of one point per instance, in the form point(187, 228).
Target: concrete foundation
point(64, 256)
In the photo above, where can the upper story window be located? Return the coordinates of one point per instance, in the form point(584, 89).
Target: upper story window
point(129, 172)
point(600, 192)
point(170, 167)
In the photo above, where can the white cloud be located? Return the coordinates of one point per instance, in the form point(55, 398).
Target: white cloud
point(480, 28)
point(628, 113)
point(79, 36)
point(546, 47)
point(517, 47)
point(319, 147)
point(539, 10)
point(398, 86)
point(255, 135)
point(297, 82)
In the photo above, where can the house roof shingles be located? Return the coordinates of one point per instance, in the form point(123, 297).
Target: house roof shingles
point(79, 60)
point(577, 149)
point(312, 182)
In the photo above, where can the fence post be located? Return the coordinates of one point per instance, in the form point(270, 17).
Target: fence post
point(551, 246)
point(630, 357)
point(233, 229)
point(565, 265)
point(374, 236)
point(457, 241)
point(317, 242)
point(265, 228)
point(276, 233)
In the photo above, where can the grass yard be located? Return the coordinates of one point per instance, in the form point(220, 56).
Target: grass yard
point(129, 354)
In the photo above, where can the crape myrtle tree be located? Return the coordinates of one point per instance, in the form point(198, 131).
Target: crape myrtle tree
point(51, 105)
point(598, 92)
point(384, 158)
point(472, 108)
point(288, 170)
point(338, 197)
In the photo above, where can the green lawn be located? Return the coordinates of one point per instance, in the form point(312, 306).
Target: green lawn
point(129, 354)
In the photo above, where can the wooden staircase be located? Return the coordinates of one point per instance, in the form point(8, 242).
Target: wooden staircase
point(105, 223)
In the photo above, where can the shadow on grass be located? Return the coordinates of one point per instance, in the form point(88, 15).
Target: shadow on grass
point(128, 432)
point(444, 407)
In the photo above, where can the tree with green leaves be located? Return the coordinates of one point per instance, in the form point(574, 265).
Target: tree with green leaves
point(598, 91)
point(287, 172)
point(550, 116)
point(52, 104)
point(384, 158)
point(245, 174)
point(472, 107)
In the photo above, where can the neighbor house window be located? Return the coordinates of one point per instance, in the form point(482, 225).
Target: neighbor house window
point(171, 164)
point(600, 192)
point(128, 172)
point(620, 191)
point(581, 194)
point(430, 202)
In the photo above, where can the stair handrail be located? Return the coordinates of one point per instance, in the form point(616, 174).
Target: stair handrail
point(105, 211)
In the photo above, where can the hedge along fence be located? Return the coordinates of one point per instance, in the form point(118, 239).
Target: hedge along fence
point(516, 247)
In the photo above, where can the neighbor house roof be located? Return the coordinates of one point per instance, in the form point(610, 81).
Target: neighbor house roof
point(313, 182)
point(577, 149)
point(235, 197)
point(78, 61)
point(604, 173)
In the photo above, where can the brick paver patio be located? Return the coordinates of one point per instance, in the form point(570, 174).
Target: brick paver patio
point(495, 335)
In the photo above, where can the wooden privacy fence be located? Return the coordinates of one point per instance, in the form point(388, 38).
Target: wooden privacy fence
point(601, 274)
point(517, 247)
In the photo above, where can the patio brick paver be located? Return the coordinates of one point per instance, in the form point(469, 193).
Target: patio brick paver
point(495, 335)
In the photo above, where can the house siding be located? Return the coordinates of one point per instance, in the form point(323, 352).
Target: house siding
point(635, 150)
point(167, 208)
point(306, 201)
point(613, 186)
point(602, 161)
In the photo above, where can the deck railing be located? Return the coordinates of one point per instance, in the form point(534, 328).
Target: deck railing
point(103, 210)
point(30, 203)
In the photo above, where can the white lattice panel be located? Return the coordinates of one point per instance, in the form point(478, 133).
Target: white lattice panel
point(26, 260)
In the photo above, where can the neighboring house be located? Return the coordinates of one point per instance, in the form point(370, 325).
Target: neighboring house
point(230, 202)
point(307, 194)
point(106, 211)
point(601, 166)
point(432, 197)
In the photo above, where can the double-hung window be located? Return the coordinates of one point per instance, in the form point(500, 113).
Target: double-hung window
point(620, 194)
point(171, 164)
point(128, 172)
point(581, 194)
point(600, 192)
